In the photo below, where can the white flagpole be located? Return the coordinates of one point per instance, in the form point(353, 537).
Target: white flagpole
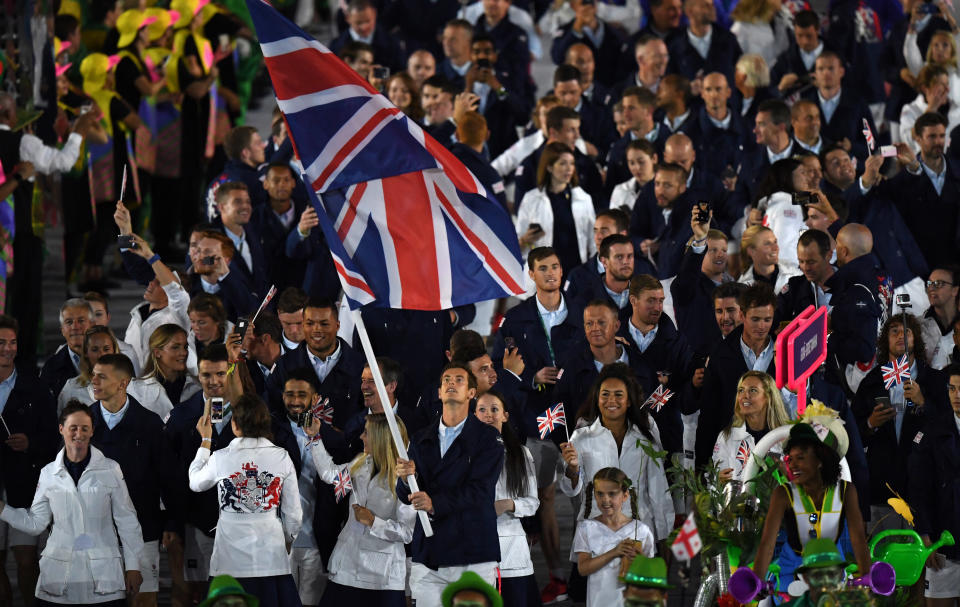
point(388, 410)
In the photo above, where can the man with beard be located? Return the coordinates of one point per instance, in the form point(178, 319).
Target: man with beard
point(814, 251)
point(616, 255)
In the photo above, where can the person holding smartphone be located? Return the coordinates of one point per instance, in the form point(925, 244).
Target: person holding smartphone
point(890, 419)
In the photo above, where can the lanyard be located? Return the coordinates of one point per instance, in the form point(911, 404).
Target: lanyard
point(816, 515)
point(546, 329)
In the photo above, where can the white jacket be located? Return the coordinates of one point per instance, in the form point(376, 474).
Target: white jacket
point(511, 158)
point(764, 39)
point(727, 452)
point(372, 558)
point(139, 331)
point(150, 393)
point(514, 550)
point(597, 449)
point(786, 273)
point(939, 346)
point(535, 208)
point(83, 562)
point(259, 506)
point(785, 219)
point(624, 194)
point(73, 390)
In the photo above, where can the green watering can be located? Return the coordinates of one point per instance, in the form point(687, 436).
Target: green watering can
point(907, 559)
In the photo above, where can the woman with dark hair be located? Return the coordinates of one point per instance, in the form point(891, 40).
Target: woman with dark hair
point(516, 497)
point(784, 179)
point(256, 481)
point(95, 528)
point(404, 93)
point(615, 432)
point(557, 213)
point(816, 503)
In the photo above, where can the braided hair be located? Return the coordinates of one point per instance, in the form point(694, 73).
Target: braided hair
point(620, 479)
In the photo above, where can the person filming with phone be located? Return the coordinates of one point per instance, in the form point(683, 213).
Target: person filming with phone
point(890, 413)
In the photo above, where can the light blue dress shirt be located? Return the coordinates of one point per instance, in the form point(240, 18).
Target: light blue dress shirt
point(448, 435)
point(897, 396)
point(112, 419)
point(308, 490)
point(6, 387)
point(622, 359)
point(754, 362)
point(701, 45)
point(828, 106)
point(324, 366)
point(643, 341)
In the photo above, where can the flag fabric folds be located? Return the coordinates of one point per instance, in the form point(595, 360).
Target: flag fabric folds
point(407, 224)
point(687, 544)
point(896, 372)
point(552, 417)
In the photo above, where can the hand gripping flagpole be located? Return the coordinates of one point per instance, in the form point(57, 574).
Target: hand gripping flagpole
point(388, 410)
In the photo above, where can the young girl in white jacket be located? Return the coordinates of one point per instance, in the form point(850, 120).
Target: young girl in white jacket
point(516, 497)
point(368, 566)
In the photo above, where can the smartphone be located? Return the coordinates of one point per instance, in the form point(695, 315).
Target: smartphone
point(484, 64)
point(381, 73)
point(804, 198)
point(242, 327)
point(536, 227)
point(510, 343)
point(702, 211)
point(216, 409)
point(209, 261)
point(884, 401)
point(303, 419)
point(127, 242)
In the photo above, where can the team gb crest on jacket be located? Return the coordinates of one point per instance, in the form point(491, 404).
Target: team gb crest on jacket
point(250, 490)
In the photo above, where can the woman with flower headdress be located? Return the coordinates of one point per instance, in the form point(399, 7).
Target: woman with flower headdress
point(816, 502)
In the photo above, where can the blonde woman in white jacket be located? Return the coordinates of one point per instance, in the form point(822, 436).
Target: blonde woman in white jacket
point(83, 494)
point(618, 434)
point(758, 410)
point(97, 341)
point(562, 211)
point(259, 498)
point(516, 497)
point(368, 566)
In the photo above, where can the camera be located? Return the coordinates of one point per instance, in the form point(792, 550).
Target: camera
point(380, 72)
point(701, 212)
point(484, 64)
point(209, 261)
point(902, 300)
point(127, 242)
point(804, 198)
point(303, 418)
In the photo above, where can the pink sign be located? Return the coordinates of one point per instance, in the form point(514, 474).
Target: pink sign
point(801, 349)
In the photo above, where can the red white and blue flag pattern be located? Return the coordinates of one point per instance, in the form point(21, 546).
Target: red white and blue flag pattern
point(743, 452)
point(323, 411)
point(407, 224)
point(552, 417)
point(659, 398)
point(896, 372)
point(342, 485)
point(868, 135)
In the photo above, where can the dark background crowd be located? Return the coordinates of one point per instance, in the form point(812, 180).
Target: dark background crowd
point(686, 178)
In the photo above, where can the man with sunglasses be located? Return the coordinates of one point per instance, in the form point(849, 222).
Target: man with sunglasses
point(943, 289)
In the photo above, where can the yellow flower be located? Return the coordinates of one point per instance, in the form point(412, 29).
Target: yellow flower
point(900, 506)
point(817, 409)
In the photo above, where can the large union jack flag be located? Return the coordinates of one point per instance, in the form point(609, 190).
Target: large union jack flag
point(407, 224)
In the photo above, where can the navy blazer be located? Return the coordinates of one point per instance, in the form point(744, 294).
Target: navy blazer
point(504, 114)
point(523, 325)
point(257, 277)
point(136, 443)
point(847, 121)
point(647, 222)
point(513, 53)
point(668, 352)
point(887, 456)
point(593, 287)
point(387, 50)
point(722, 55)
point(32, 410)
point(617, 171)
point(933, 482)
point(58, 370)
point(893, 242)
point(320, 275)
point(856, 310)
point(719, 391)
point(795, 297)
point(692, 295)
point(462, 486)
point(607, 57)
point(281, 270)
point(718, 150)
point(342, 385)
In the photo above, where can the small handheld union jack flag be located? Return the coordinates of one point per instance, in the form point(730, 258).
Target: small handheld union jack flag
point(323, 411)
point(659, 398)
point(553, 416)
point(896, 372)
point(868, 135)
point(342, 485)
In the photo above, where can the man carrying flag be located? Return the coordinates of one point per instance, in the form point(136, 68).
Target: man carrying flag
point(891, 408)
point(409, 227)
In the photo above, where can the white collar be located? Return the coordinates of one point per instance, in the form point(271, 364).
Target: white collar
point(544, 312)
